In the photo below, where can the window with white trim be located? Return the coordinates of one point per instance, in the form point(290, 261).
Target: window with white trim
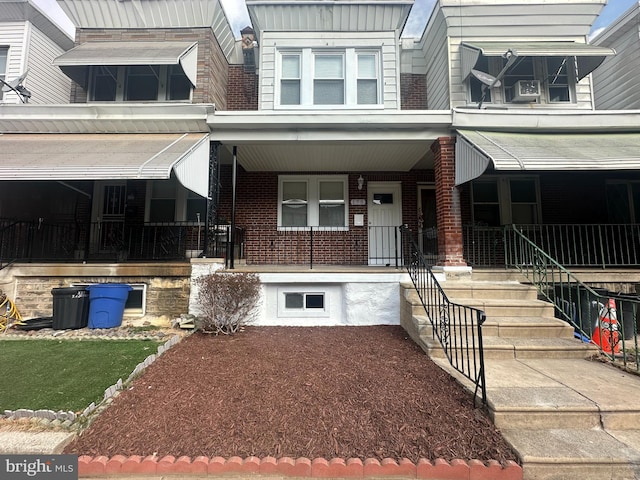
point(506, 200)
point(318, 77)
point(623, 201)
point(312, 201)
point(555, 76)
point(4, 53)
point(169, 201)
point(138, 83)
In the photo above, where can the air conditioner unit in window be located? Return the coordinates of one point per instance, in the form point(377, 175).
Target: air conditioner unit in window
point(526, 90)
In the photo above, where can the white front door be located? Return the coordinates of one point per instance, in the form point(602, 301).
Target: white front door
point(385, 216)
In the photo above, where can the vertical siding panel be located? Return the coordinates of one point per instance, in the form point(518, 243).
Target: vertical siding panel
point(616, 84)
point(46, 83)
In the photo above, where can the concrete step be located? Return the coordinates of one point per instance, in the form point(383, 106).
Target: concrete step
point(487, 289)
point(527, 327)
point(508, 307)
point(587, 454)
point(512, 348)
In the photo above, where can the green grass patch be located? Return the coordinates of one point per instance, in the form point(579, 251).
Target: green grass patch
point(65, 375)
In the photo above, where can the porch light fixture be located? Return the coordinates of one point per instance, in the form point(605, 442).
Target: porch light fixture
point(360, 182)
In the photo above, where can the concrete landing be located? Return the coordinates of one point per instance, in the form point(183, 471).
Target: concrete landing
point(33, 443)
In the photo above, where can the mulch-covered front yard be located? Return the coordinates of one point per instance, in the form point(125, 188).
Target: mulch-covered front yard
point(363, 392)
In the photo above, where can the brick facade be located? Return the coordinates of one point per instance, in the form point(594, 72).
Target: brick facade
point(213, 68)
point(413, 91)
point(257, 212)
point(243, 89)
point(448, 208)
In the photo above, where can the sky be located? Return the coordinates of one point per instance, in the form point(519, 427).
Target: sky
point(239, 18)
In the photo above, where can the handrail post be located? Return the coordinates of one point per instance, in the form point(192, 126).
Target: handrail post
point(310, 248)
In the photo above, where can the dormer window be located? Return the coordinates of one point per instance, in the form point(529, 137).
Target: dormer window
point(138, 83)
point(319, 77)
point(133, 71)
point(528, 72)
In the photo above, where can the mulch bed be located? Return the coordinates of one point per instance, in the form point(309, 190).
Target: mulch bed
point(349, 392)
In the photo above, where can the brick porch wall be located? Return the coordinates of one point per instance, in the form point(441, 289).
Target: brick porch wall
point(213, 68)
point(257, 212)
point(448, 211)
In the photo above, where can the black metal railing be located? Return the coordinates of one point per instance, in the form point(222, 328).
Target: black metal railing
point(457, 327)
point(572, 245)
point(37, 241)
point(603, 318)
point(373, 245)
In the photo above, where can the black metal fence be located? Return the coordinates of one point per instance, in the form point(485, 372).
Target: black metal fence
point(572, 245)
point(600, 317)
point(311, 246)
point(457, 327)
point(114, 241)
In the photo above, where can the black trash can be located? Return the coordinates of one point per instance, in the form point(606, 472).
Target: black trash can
point(628, 312)
point(70, 308)
point(579, 304)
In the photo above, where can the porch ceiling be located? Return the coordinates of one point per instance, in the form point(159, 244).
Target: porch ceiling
point(476, 150)
point(106, 157)
point(335, 157)
point(331, 141)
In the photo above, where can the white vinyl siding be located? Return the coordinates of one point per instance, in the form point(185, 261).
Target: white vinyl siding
point(467, 21)
point(383, 44)
point(29, 48)
point(12, 35)
point(615, 82)
point(47, 84)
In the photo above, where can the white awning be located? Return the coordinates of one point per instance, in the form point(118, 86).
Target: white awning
point(476, 150)
point(588, 57)
point(76, 61)
point(107, 157)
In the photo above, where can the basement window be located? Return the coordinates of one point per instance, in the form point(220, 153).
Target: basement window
point(303, 301)
point(136, 300)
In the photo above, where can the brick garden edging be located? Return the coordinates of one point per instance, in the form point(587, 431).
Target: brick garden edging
point(300, 467)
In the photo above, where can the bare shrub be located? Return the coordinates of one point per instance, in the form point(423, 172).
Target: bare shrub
point(226, 301)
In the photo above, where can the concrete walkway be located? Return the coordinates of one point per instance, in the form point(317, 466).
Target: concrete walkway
point(566, 418)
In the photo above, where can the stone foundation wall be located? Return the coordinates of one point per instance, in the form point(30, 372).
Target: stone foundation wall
point(167, 294)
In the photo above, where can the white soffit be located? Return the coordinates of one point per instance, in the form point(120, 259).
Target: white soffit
point(588, 57)
point(76, 61)
point(332, 157)
point(106, 157)
point(476, 150)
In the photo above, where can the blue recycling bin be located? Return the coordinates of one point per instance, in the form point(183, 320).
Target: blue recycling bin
point(106, 304)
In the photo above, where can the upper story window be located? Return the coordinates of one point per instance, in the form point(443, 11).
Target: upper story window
point(138, 83)
point(538, 78)
point(312, 201)
point(4, 53)
point(529, 79)
point(310, 77)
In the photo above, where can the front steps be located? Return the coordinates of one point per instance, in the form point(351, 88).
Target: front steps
point(566, 416)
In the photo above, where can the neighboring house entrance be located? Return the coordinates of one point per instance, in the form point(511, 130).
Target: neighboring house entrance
point(427, 224)
point(109, 211)
point(385, 215)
